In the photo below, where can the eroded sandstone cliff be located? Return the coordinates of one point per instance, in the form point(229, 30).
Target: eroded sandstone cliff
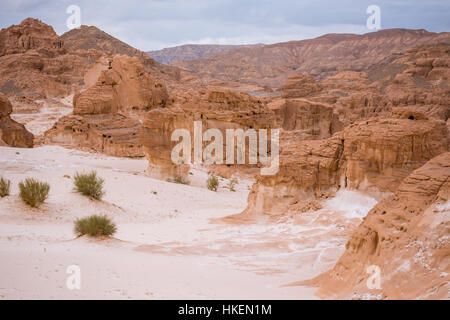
point(406, 237)
point(106, 117)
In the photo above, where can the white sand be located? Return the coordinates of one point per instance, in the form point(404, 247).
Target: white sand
point(52, 109)
point(165, 246)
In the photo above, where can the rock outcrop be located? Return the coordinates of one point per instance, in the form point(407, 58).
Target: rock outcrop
point(106, 117)
point(216, 108)
point(371, 156)
point(406, 237)
point(91, 39)
point(111, 134)
point(124, 87)
point(35, 63)
point(12, 133)
point(300, 86)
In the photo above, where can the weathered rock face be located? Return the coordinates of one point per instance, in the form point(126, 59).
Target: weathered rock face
point(12, 133)
point(425, 82)
point(35, 63)
point(372, 156)
point(311, 119)
point(155, 137)
point(217, 108)
point(321, 109)
point(300, 86)
point(30, 34)
point(106, 116)
point(125, 87)
point(406, 236)
point(414, 84)
point(314, 119)
point(354, 97)
point(111, 134)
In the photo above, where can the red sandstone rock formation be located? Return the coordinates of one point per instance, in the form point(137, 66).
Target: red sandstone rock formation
point(12, 133)
point(125, 88)
point(217, 108)
point(406, 236)
point(300, 86)
point(371, 156)
point(89, 38)
point(106, 116)
point(35, 63)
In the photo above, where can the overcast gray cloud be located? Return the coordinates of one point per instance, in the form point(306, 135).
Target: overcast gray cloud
point(155, 24)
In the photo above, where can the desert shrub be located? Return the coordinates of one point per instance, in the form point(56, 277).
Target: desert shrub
point(5, 187)
point(231, 184)
point(212, 183)
point(89, 185)
point(33, 192)
point(181, 180)
point(95, 226)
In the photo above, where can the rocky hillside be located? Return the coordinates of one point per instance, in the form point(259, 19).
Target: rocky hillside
point(270, 65)
point(90, 37)
point(190, 52)
point(406, 236)
point(35, 62)
point(106, 116)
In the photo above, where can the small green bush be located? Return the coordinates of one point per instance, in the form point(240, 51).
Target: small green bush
point(181, 180)
point(33, 192)
point(89, 185)
point(94, 226)
point(212, 183)
point(5, 187)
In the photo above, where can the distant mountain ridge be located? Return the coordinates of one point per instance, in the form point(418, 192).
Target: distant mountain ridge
point(191, 51)
point(271, 65)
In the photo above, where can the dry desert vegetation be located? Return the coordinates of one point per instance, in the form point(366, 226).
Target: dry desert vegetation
point(363, 179)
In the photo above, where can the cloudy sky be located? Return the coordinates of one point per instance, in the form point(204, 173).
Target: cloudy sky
point(156, 24)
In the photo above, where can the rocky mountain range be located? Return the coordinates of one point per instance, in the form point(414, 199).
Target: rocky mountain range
point(270, 65)
point(190, 52)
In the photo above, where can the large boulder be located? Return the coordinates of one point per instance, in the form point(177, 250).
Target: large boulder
point(124, 87)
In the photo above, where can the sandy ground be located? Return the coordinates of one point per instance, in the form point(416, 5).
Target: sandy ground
point(44, 118)
point(166, 246)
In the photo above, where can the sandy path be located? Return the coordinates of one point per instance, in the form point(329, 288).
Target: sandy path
point(167, 249)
